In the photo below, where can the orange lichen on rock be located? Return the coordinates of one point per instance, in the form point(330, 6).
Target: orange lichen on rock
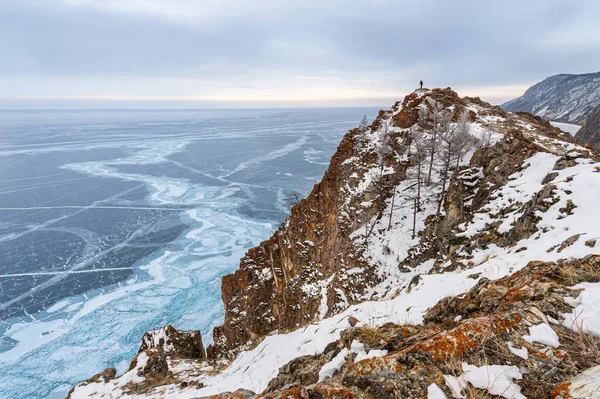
point(290, 392)
point(239, 394)
point(467, 336)
point(330, 390)
point(561, 391)
point(375, 365)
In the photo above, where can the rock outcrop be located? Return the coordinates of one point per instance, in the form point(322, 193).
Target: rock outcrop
point(312, 266)
point(175, 343)
point(383, 285)
point(590, 131)
point(562, 98)
point(302, 272)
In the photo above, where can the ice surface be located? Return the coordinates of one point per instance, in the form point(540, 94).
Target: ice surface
point(567, 127)
point(113, 223)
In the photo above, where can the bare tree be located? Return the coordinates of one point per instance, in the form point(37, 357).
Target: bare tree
point(455, 143)
point(364, 124)
point(384, 149)
point(292, 198)
point(486, 140)
point(361, 138)
point(423, 120)
point(418, 153)
point(441, 120)
point(464, 142)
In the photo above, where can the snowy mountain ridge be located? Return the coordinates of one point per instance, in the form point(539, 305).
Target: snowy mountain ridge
point(561, 98)
point(449, 251)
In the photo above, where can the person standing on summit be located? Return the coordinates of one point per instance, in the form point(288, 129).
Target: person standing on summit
point(421, 83)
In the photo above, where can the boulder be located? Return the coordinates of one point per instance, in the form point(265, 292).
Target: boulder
point(176, 343)
point(150, 362)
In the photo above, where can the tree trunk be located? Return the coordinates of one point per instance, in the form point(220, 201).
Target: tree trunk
point(444, 178)
point(414, 218)
point(431, 157)
point(392, 209)
point(417, 202)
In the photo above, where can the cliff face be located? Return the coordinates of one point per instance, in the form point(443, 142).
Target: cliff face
point(562, 98)
point(590, 131)
point(406, 281)
point(317, 263)
point(310, 267)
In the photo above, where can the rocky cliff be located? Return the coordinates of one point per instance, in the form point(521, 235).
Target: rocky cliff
point(449, 251)
point(590, 131)
point(562, 98)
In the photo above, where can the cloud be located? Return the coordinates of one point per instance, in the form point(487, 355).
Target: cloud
point(264, 49)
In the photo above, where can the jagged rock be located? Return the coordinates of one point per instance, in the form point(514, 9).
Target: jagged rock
point(590, 131)
point(150, 362)
point(314, 266)
point(295, 391)
point(239, 394)
point(176, 343)
point(329, 390)
point(279, 284)
point(303, 370)
point(104, 376)
point(283, 283)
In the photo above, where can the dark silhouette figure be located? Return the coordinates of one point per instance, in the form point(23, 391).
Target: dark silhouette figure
point(421, 83)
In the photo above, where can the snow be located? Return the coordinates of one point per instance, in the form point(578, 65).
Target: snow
point(253, 369)
point(456, 385)
point(542, 333)
point(497, 380)
point(434, 392)
point(523, 353)
point(521, 187)
point(333, 366)
point(586, 314)
point(113, 387)
point(361, 353)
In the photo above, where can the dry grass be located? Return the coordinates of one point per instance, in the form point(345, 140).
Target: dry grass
point(151, 381)
point(577, 272)
point(390, 333)
point(374, 335)
point(582, 346)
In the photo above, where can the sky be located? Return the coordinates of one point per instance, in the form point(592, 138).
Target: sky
point(266, 53)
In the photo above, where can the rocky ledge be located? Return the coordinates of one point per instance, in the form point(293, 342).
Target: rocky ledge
point(449, 251)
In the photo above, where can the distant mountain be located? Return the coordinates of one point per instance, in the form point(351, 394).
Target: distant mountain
point(590, 131)
point(562, 98)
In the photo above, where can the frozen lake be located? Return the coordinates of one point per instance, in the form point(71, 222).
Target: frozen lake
point(116, 222)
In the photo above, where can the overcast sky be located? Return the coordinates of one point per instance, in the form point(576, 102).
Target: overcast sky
point(285, 53)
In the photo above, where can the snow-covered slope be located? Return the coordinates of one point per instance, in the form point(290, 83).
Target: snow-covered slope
point(483, 278)
point(562, 98)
